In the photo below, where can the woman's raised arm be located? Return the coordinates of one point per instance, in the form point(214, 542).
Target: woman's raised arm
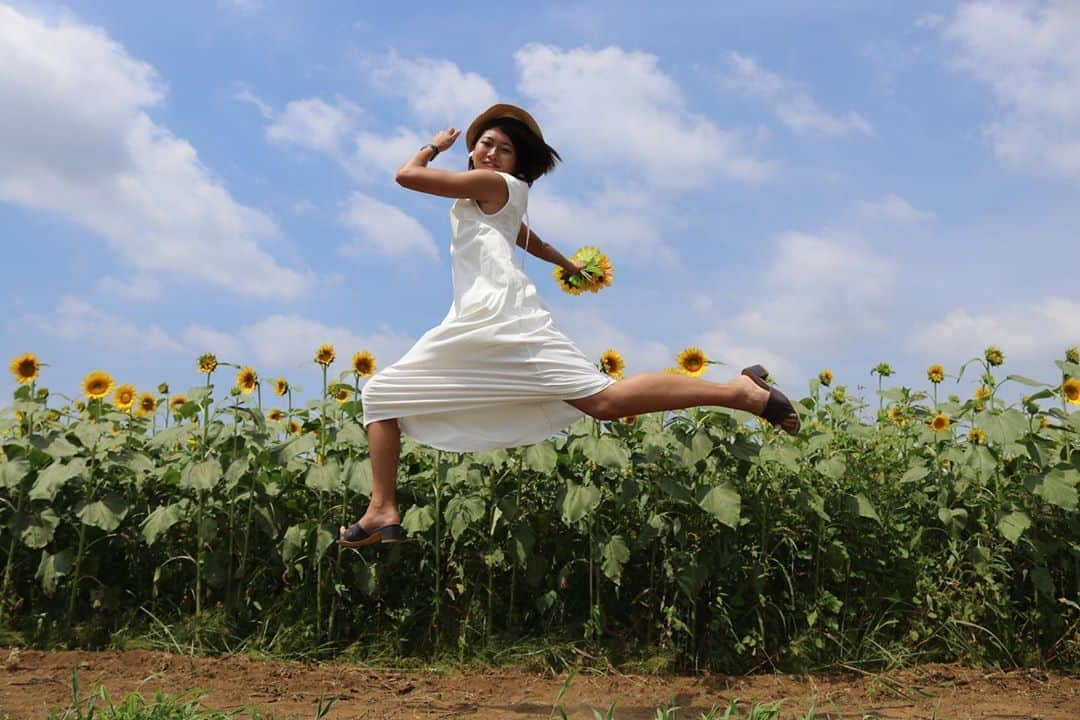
point(480, 185)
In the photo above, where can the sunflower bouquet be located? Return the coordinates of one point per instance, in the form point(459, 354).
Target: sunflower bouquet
point(596, 274)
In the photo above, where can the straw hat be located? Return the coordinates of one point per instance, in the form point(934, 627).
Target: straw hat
point(502, 110)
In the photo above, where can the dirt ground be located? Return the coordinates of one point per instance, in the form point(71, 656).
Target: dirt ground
point(33, 682)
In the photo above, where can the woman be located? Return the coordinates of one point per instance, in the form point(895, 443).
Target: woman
point(496, 372)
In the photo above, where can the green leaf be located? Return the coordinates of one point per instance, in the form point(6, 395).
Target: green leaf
point(12, 472)
point(1012, 525)
point(861, 506)
point(1025, 380)
point(161, 519)
point(1002, 428)
point(832, 467)
point(106, 513)
point(324, 478)
point(787, 456)
point(541, 457)
point(1043, 582)
point(294, 542)
point(1057, 487)
point(724, 503)
point(605, 451)
point(461, 512)
point(418, 519)
point(615, 554)
point(52, 568)
point(61, 448)
point(914, 474)
point(358, 475)
point(237, 469)
point(38, 534)
point(580, 500)
point(325, 535)
point(89, 433)
point(353, 434)
point(203, 475)
point(53, 478)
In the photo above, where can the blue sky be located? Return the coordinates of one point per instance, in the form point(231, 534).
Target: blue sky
point(805, 185)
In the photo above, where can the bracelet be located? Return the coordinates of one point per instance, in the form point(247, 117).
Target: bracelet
point(435, 151)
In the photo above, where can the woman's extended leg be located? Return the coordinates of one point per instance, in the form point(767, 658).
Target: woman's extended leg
point(384, 445)
point(656, 391)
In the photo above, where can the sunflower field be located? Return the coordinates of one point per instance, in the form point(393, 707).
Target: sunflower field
point(912, 526)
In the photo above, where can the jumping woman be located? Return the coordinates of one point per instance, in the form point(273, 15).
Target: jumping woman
point(497, 373)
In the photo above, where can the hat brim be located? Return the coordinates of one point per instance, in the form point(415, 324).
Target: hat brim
point(495, 112)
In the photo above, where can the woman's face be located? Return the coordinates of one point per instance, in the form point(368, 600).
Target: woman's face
point(494, 151)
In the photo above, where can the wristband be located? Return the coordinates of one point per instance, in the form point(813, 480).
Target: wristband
point(435, 149)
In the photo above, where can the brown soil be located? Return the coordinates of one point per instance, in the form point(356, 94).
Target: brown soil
point(33, 682)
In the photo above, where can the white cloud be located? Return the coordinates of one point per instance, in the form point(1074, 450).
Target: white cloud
point(618, 110)
point(75, 139)
point(76, 320)
point(622, 221)
point(285, 343)
point(384, 229)
point(314, 124)
point(720, 345)
point(140, 287)
point(245, 95)
point(437, 91)
point(1027, 54)
point(792, 105)
point(1038, 331)
point(821, 292)
point(593, 331)
point(892, 209)
point(377, 157)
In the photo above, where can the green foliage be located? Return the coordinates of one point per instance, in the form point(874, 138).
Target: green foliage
point(697, 539)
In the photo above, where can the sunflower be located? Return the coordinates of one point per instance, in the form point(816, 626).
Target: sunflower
point(1073, 355)
point(325, 354)
point(363, 364)
point(940, 422)
point(281, 387)
point(994, 356)
point(147, 405)
point(97, 384)
point(207, 363)
point(124, 397)
point(596, 274)
point(25, 368)
point(612, 363)
point(295, 427)
point(693, 361)
point(79, 406)
point(342, 394)
point(840, 394)
point(936, 373)
point(176, 402)
point(246, 380)
point(825, 377)
point(163, 388)
point(629, 419)
point(674, 371)
point(1071, 390)
point(563, 278)
point(977, 436)
point(896, 414)
point(275, 414)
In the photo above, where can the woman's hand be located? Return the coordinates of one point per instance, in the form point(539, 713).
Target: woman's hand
point(576, 267)
point(444, 139)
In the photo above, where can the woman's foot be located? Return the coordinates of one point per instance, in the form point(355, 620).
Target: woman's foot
point(376, 525)
point(766, 401)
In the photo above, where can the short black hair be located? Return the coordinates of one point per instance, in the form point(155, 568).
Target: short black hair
point(534, 156)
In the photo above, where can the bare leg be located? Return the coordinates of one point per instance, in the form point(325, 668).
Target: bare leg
point(653, 392)
point(384, 445)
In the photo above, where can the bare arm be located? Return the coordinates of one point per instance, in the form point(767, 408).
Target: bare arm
point(542, 250)
point(480, 185)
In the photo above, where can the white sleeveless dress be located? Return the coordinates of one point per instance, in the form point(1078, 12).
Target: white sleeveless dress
point(495, 372)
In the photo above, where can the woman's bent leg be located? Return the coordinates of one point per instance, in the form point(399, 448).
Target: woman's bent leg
point(384, 445)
